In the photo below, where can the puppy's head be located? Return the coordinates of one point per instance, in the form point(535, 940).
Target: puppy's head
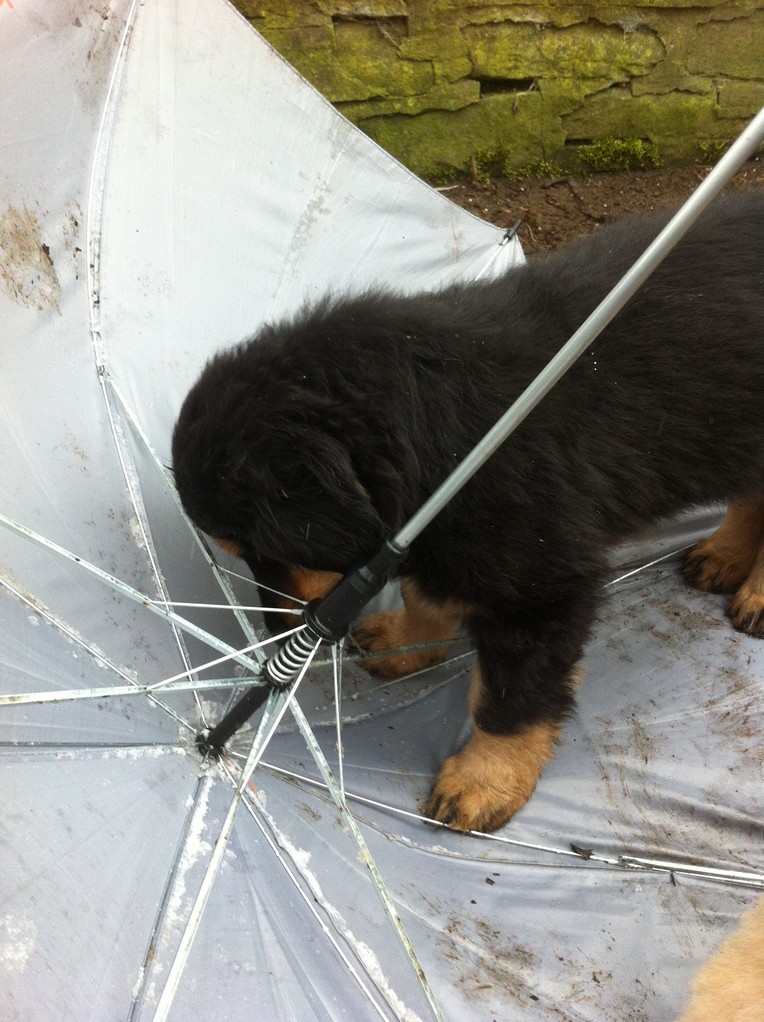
point(258, 468)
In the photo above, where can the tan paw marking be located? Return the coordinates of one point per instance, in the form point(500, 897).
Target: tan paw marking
point(420, 621)
point(746, 610)
point(388, 631)
point(484, 785)
point(708, 569)
point(721, 563)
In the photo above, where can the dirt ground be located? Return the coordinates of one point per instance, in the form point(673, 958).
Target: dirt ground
point(556, 210)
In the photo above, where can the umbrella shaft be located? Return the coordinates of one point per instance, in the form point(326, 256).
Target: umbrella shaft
point(211, 742)
point(325, 620)
point(280, 671)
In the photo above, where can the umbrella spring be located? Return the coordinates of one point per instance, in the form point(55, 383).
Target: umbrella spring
point(282, 667)
point(327, 620)
point(279, 674)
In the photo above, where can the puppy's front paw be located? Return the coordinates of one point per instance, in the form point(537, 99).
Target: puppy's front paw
point(484, 785)
point(746, 610)
point(388, 631)
point(707, 569)
point(467, 799)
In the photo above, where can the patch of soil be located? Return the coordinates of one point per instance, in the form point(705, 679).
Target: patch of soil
point(556, 210)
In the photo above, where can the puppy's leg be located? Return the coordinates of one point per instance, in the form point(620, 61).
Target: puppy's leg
point(721, 563)
point(418, 622)
point(522, 689)
point(483, 786)
point(730, 986)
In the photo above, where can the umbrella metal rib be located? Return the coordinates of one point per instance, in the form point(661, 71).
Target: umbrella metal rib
point(129, 591)
point(219, 575)
point(262, 739)
point(309, 900)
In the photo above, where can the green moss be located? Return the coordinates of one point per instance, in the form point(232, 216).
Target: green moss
point(442, 175)
point(594, 50)
point(354, 61)
point(542, 168)
point(489, 161)
point(444, 83)
point(711, 150)
point(619, 154)
point(444, 96)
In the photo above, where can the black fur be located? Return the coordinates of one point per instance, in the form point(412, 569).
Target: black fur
point(312, 441)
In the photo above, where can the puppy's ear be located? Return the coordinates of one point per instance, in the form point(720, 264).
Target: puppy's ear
point(306, 507)
point(338, 494)
point(327, 460)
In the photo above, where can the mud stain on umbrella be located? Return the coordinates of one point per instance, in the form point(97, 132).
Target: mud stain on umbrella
point(27, 273)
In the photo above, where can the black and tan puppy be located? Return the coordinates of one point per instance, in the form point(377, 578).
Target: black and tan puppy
point(305, 446)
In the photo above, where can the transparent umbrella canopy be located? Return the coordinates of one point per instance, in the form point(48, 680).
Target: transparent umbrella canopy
point(169, 184)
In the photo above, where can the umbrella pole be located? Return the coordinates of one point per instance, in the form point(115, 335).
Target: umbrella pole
point(329, 619)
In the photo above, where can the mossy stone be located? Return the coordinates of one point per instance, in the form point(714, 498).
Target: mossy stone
point(588, 50)
point(594, 50)
point(432, 140)
point(353, 61)
point(740, 99)
point(734, 48)
point(674, 122)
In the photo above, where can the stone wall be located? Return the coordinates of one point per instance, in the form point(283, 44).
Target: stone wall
point(436, 82)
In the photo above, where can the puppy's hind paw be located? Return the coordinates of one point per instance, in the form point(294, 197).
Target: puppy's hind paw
point(706, 569)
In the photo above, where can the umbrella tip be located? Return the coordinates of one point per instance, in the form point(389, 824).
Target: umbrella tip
point(205, 746)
